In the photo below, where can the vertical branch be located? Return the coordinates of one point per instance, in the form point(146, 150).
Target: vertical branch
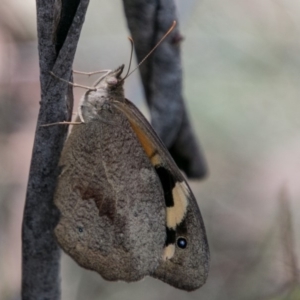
point(162, 79)
point(57, 45)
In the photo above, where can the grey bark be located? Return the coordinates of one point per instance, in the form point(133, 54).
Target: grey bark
point(59, 24)
point(161, 75)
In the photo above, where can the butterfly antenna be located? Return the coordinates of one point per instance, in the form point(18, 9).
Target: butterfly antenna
point(159, 42)
point(131, 54)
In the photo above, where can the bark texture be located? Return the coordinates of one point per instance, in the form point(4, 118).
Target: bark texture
point(59, 24)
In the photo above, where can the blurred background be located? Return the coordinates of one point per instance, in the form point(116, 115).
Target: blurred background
point(241, 67)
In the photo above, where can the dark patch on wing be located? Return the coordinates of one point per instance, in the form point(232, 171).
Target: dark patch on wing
point(105, 205)
point(181, 229)
point(106, 208)
point(168, 183)
point(171, 236)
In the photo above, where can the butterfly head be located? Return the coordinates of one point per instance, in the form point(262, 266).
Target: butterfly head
point(107, 89)
point(111, 81)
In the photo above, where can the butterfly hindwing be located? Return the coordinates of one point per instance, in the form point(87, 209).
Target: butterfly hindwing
point(110, 200)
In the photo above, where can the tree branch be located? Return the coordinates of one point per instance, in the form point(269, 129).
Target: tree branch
point(57, 45)
point(161, 75)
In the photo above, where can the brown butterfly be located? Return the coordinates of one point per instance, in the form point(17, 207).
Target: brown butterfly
point(126, 211)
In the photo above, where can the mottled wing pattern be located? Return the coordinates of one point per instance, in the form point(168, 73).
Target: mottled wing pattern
point(110, 200)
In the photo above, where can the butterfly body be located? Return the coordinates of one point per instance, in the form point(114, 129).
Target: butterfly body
point(125, 209)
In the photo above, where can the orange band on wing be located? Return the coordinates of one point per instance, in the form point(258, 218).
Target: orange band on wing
point(147, 145)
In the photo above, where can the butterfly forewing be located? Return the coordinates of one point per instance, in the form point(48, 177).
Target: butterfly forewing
point(185, 259)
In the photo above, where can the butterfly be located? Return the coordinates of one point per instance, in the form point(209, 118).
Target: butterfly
point(126, 210)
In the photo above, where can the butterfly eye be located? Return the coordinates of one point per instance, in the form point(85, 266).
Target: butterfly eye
point(112, 81)
point(181, 243)
point(80, 229)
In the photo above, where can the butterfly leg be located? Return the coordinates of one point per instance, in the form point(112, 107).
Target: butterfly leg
point(90, 73)
point(74, 84)
point(61, 123)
